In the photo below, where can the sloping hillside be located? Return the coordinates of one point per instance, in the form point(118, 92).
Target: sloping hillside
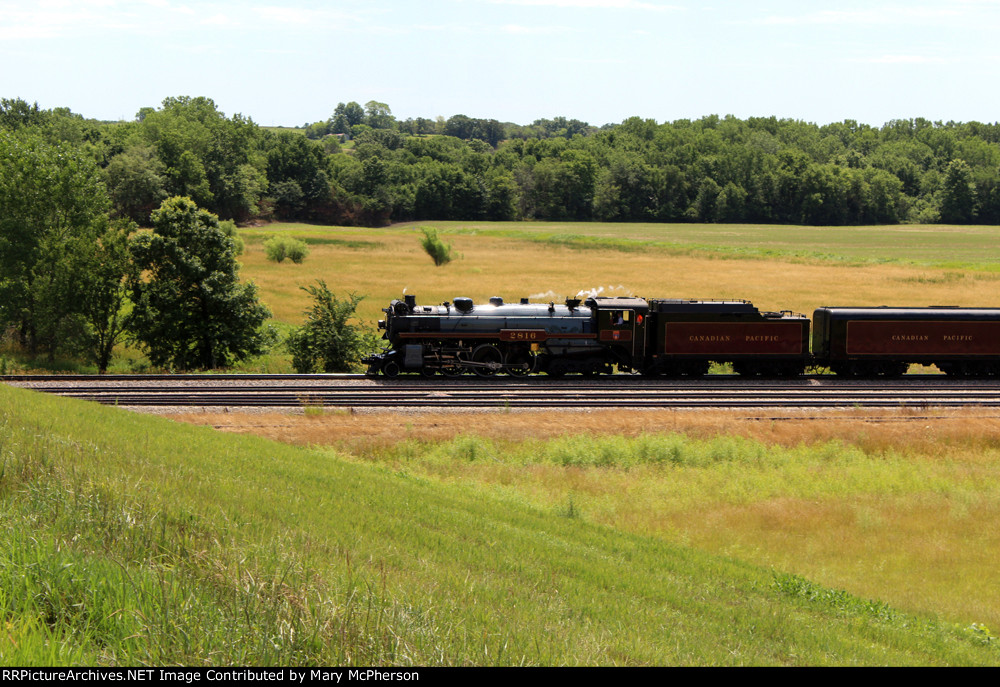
point(129, 539)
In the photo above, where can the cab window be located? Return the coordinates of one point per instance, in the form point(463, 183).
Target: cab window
point(621, 318)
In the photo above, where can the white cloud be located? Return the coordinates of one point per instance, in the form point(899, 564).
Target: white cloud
point(887, 15)
point(291, 15)
point(592, 4)
point(215, 20)
point(63, 18)
point(521, 30)
point(903, 59)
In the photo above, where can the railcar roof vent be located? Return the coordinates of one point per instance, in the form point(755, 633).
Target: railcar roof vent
point(463, 304)
point(496, 300)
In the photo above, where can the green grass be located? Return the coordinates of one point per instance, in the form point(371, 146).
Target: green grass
point(896, 514)
point(933, 245)
point(133, 540)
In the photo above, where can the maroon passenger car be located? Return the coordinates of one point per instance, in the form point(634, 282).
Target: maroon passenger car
point(865, 342)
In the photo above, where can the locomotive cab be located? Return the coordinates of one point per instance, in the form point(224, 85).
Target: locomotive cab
point(621, 327)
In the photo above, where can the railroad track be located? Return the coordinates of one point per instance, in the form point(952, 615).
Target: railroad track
point(342, 391)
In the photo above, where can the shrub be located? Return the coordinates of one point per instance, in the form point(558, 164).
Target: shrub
point(228, 227)
point(436, 248)
point(280, 247)
point(328, 341)
point(296, 250)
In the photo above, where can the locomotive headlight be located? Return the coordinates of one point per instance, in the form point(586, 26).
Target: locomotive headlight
point(381, 324)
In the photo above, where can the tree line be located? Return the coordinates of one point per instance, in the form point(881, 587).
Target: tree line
point(363, 166)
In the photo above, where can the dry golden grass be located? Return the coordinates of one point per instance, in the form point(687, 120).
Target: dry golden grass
point(872, 430)
point(515, 268)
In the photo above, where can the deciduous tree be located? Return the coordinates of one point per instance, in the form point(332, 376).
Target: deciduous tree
point(103, 298)
point(958, 194)
point(190, 309)
point(52, 202)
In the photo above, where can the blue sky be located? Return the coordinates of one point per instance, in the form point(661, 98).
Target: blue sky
point(514, 60)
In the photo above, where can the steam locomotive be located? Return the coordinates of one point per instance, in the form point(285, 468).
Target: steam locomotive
point(679, 338)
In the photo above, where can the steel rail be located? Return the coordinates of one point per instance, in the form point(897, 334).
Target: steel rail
point(355, 391)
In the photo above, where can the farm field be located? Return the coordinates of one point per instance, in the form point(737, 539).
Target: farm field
point(797, 268)
point(929, 244)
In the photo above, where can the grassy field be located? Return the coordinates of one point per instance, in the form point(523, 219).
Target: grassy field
point(127, 539)
point(923, 244)
point(891, 505)
point(797, 268)
point(776, 267)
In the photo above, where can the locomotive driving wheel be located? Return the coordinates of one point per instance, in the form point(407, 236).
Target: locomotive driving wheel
point(487, 360)
point(520, 363)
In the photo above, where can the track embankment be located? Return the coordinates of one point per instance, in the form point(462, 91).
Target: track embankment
point(621, 392)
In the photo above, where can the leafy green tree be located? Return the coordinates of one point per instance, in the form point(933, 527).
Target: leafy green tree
point(378, 115)
point(103, 297)
point(16, 113)
point(705, 206)
point(626, 189)
point(54, 204)
point(214, 160)
point(189, 178)
point(289, 200)
point(317, 130)
point(137, 183)
point(502, 195)
point(299, 184)
point(883, 201)
point(328, 341)
point(339, 125)
point(731, 203)
point(190, 309)
point(958, 194)
point(346, 116)
point(228, 227)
